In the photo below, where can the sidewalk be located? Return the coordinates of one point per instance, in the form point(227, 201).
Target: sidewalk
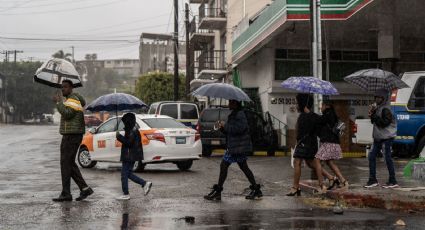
point(410, 197)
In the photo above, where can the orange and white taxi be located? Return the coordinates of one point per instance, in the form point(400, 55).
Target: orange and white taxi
point(164, 140)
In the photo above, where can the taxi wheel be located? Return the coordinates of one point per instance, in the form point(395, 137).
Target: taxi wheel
point(138, 166)
point(184, 165)
point(84, 160)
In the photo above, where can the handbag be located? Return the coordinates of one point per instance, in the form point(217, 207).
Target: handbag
point(303, 150)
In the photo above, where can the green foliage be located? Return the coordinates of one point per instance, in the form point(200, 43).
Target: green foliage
point(63, 55)
point(27, 98)
point(155, 87)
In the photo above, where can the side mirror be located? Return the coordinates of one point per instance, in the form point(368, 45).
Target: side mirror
point(92, 130)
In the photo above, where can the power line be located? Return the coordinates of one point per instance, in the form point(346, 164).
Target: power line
point(65, 10)
point(65, 39)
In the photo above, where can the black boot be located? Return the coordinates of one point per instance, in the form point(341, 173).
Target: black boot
point(255, 192)
point(215, 194)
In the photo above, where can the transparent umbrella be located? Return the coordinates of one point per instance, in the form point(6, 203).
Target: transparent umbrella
point(54, 71)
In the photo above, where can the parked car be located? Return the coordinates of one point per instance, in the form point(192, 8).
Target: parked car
point(408, 107)
point(164, 140)
point(92, 120)
point(184, 112)
point(263, 136)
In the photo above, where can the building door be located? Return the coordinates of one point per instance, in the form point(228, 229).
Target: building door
point(342, 109)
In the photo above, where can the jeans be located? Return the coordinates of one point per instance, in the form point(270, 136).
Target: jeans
point(377, 146)
point(127, 173)
point(69, 169)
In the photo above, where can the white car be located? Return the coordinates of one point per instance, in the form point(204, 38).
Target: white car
point(164, 139)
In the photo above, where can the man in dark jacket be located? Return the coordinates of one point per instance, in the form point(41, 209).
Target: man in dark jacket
point(384, 131)
point(72, 129)
point(131, 151)
point(239, 145)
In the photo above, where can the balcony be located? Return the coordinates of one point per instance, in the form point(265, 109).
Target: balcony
point(211, 65)
point(211, 18)
point(200, 38)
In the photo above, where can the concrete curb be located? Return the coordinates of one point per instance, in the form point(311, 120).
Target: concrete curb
point(220, 152)
point(394, 200)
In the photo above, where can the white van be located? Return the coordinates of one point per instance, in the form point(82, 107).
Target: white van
point(184, 112)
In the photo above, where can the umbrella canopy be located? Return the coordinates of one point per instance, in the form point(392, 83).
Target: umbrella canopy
point(116, 102)
point(221, 90)
point(310, 85)
point(373, 79)
point(54, 71)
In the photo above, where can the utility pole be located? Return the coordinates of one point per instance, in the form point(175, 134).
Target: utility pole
point(15, 54)
point(176, 47)
point(316, 47)
point(188, 72)
point(73, 59)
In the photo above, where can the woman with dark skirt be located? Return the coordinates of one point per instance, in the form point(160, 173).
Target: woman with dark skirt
point(307, 144)
point(330, 149)
point(239, 145)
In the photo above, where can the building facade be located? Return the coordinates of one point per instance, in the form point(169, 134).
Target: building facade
point(156, 54)
point(356, 34)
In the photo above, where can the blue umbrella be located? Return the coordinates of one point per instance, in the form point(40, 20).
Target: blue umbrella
point(310, 85)
point(116, 102)
point(222, 90)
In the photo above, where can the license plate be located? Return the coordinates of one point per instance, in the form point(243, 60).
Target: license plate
point(180, 140)
point(215, 142)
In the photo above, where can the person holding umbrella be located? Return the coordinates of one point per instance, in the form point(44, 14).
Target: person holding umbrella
point(384, 132)
point(307, 146)
point(72, 128)
point(239, 145)
point(131, 151)
point(238, 140)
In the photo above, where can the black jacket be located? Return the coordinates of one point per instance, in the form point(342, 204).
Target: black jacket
point(307, 124)
point(326, 123)
point(131, 149)
point(236, 129)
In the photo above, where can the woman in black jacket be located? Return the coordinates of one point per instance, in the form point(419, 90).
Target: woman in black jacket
point(131, 151)
point(239, 145)
point(330, 149)
point(307, 145)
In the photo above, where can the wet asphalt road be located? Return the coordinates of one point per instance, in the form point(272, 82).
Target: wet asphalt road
point(30, 178)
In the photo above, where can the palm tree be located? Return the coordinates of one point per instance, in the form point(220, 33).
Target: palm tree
point(63, 55)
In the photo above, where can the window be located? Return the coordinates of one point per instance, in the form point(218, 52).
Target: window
point(212, 115)
point(109, 126)
point(121, 126)
point(152, 109)
point(188, 111)
point(163, 123)
point(169, 110)
point(417, 99)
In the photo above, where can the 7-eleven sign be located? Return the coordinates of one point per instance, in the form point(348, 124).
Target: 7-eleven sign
point(330, 9)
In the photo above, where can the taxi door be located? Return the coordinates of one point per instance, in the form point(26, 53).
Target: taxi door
point(104, 142)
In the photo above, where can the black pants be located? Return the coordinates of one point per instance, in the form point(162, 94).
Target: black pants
point(69, 169)
point(224, 167)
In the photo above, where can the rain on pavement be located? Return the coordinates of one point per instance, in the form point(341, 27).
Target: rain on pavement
point(30, 177)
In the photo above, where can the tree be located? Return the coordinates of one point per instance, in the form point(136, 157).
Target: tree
point(63, 55)
point(26, 97)
point(155, 87)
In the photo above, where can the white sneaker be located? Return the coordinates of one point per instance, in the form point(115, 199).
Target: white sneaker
point(123, 197)
point(147, 187)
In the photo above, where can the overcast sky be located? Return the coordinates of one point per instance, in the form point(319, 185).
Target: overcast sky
point(122, 20)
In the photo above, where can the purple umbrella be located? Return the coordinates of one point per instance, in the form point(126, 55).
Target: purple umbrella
point(310, 85)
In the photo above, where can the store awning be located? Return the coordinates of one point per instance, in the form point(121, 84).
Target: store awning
point(273, 21)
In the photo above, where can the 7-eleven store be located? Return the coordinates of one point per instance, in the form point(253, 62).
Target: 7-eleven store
point(356, 34)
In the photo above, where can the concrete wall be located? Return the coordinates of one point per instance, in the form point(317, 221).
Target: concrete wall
point(237, 10)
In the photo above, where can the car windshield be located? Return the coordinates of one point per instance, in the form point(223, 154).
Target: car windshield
point(162, 123)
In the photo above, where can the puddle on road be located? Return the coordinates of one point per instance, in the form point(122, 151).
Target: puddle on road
point(263, 219)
